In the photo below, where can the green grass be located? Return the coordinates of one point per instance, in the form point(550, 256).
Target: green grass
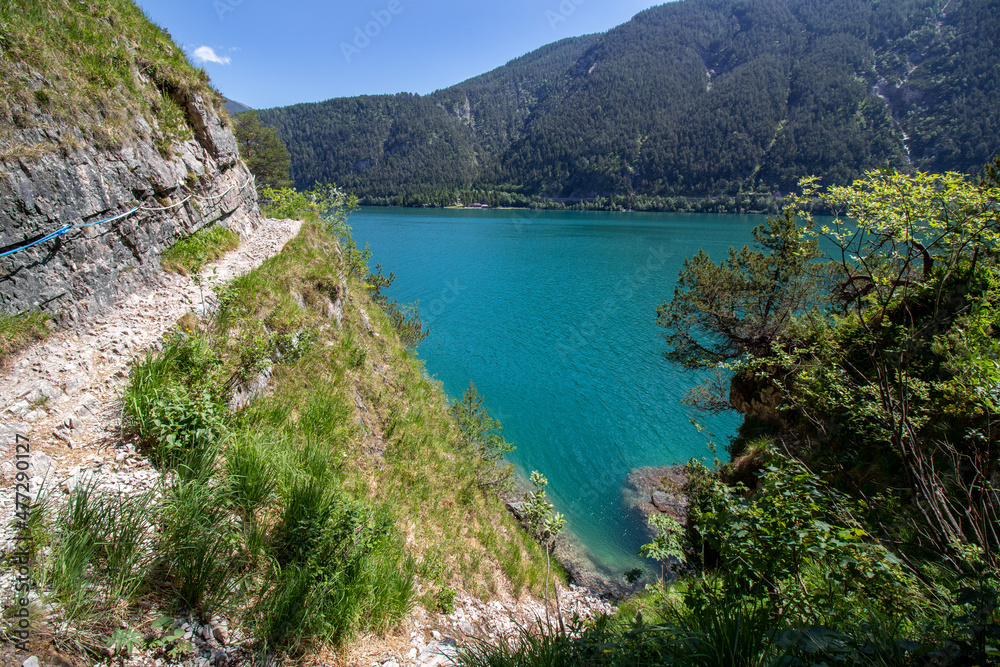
point(19, 331)
point(93, 560)
point(104, 65)
point(735, 632)
point(191, 253)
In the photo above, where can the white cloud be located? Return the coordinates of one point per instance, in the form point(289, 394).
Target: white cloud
point(206, 54)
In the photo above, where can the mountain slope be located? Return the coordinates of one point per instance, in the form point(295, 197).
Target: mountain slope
point(234, 107)
point(373, 144)
point(695, 97)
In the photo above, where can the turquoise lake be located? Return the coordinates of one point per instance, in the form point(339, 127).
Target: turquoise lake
point(553, 316)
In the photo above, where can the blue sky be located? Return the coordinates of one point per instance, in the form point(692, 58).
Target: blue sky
point(264, 53)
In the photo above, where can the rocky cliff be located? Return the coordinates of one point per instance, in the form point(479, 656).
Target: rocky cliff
point(86, 269)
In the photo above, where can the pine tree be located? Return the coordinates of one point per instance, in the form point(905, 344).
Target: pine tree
point(264, 152)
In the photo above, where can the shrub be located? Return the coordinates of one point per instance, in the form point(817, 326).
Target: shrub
point(173, 400)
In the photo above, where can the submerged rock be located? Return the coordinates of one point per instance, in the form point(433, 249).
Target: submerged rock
point(657, 491)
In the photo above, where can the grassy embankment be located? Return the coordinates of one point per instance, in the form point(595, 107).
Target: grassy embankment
point(308, 517)
point(98, 67)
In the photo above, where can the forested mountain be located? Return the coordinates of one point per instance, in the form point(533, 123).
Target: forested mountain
point(382, 145)
point(691, 98)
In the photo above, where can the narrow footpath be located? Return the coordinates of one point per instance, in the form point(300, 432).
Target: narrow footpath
point(64, 394)
point(64, 397)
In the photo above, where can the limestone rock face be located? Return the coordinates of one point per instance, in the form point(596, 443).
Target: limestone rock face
point(85, 270)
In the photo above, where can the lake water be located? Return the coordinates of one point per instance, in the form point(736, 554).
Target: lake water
point(553, 316)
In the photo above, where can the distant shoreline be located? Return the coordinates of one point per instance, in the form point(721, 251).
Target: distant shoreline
point(720, 205)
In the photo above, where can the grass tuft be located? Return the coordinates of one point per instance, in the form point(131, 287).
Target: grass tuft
point(189, 254)
point(19, 331)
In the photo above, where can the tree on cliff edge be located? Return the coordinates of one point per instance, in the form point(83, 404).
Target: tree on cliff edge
point(264, 152)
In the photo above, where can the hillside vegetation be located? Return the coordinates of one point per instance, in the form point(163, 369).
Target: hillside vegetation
point(99, 67)
point(326, 506)
point(692, 98)
point(857, 522)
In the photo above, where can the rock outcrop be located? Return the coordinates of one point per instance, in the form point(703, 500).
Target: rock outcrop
point(657, 491)
point(75, 275)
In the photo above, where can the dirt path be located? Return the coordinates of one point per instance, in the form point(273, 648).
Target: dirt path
point(64, 395)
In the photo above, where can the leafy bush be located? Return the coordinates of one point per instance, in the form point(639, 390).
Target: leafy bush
point(185, 422)
point(173, 401)
point(796, 542)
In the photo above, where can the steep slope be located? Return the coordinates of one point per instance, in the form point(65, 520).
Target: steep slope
point(111, 146)
point(696, 97)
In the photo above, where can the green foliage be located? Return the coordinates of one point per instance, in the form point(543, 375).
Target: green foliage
point(19, 331)
point(913, 349)
point(264, 152)
point(252, 483)
point(545, 524)
point(190, 254)
point(879, 358)
point(482, 433)
point(173, 401)
point(288, 203)
point(197, 547)
point(124, 642)
point(444, 600)
point(796, 542)
point(726, 101)
point(721, 312)
point(542, 521)
point(404, 319)
point(666, 544)
point(327, 205)
point(99, 539)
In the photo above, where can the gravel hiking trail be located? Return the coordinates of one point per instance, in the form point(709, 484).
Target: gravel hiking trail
point(64, 395)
